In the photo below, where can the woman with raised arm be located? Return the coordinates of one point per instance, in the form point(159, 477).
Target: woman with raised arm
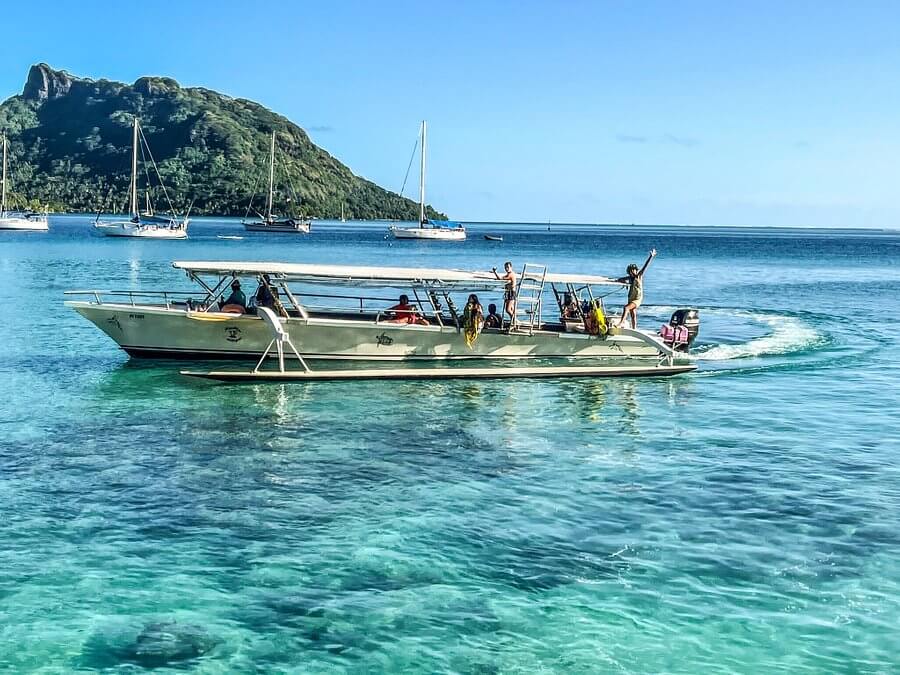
point(635, 281)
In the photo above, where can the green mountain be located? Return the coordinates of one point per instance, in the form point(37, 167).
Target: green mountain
point(70, 148)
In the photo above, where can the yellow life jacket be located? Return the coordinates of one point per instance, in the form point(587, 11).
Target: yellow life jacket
point(600, 326)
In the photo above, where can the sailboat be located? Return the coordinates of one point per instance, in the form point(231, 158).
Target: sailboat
point(144, 225)
point(428, 229)
point(343, 220)
point(18, 220)
point(270, 222)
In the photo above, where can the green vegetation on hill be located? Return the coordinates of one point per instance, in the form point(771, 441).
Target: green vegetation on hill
point(70, 148)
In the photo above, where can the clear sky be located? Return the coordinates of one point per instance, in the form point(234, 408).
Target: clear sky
point(753, 113)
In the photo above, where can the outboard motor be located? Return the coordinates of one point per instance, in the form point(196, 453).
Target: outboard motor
point(682, 329)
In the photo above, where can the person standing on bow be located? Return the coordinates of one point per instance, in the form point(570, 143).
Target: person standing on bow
point(509, 291)
point(635, 281)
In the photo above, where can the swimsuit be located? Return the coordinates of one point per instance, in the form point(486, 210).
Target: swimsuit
point(636, 291)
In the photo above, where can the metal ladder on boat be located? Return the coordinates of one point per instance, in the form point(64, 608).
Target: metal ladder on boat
point(528, 297)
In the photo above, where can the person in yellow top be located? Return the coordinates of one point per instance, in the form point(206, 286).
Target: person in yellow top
point(635, 281)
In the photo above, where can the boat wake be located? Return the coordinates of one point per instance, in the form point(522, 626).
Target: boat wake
point(786, 335)
point(729, 334)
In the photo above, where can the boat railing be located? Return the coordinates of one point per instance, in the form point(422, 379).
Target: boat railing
point(136, 298)
point(359, 303)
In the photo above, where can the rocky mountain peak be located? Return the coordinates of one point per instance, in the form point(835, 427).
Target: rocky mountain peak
point(152, 86)
point(45, 83)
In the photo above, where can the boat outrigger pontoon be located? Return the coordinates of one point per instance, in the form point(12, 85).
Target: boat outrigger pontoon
point(339, 312)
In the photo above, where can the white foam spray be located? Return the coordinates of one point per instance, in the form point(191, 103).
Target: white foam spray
point(788, 335)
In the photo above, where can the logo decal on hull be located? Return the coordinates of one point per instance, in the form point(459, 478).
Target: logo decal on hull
point(384, 339)
point(233, 334)
point(114, 321)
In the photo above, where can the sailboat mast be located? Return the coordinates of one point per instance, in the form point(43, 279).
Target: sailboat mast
point(3, 198)
point(422, 181)
point(134, 154)
point(271, 180)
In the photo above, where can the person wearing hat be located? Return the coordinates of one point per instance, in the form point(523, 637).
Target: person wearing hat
point(236, 299)
point(635, 281)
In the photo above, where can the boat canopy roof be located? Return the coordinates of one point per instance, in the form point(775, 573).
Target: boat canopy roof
point(374, 276)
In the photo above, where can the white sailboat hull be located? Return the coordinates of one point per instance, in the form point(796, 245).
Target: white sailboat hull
point(35, 223)
point(442, 233)
point(141, 230)
point(154, 331)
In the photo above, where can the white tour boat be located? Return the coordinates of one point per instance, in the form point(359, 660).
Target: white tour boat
point(345, 312)
point(18, 220)
point(269, 222)
point(147, 225)
point(428, 229)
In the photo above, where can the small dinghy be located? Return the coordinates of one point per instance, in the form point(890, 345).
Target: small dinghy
point(228, 236)
point(493, 237)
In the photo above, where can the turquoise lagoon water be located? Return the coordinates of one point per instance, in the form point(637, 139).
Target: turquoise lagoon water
point(745, 518)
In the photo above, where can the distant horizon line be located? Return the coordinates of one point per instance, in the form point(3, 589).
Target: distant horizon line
point(552, 224)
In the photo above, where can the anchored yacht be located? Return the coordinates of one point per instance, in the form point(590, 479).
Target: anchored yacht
point(147, 225)
point(269, 222)
point(428, 229)
point(18, 220)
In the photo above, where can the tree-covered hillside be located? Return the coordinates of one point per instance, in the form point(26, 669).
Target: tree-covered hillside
point(70, 148)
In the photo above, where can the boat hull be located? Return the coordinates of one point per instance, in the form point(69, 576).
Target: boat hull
point(36, 224)
point(441, 233)
point(295, 228)
point(147, 331)
point(134, 230)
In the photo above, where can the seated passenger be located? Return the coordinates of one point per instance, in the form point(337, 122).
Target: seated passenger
point(236, 302)
point(590, 325)
point(595, 320)
point(404, 312)
point(266, 294)
point(493, 320)
point(569, 307)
